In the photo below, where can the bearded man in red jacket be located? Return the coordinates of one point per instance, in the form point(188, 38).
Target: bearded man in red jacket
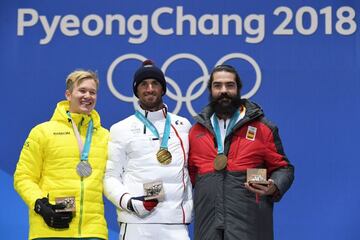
point(230, 137)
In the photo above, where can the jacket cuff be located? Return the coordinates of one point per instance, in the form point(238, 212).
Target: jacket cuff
point(124, 199)
point(276, 195)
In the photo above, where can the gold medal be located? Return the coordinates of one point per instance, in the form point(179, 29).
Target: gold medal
point(220, 162)
point(163, 156)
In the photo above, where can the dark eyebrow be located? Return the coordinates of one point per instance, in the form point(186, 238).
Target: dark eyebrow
point(216, 82)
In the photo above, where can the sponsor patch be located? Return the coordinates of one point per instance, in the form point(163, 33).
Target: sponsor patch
point(61, 133)
point(251, 133)
point(135, 130)
point(199, 135)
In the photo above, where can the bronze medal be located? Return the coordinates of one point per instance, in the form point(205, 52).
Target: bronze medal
point(163, 156)
point(84, 169)
point(220, 162)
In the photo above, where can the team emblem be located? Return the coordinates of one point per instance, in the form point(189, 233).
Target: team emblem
point(251, 133)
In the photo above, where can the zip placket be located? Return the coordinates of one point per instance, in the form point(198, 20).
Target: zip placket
point(81, 190)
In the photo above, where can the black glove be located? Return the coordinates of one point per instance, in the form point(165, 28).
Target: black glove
point(53, 219)
point(141, 206)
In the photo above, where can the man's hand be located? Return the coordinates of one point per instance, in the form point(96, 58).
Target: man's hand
point(260, 189)
point(53, 219)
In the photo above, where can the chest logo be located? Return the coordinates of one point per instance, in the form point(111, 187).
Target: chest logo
point(61, 133)
point(177, 122)
point(135, 129)
point(251, 133)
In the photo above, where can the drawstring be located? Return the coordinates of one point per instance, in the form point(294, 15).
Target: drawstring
point(146, 113)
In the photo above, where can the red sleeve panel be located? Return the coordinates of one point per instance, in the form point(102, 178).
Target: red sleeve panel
point(202, 151)
point(275, 156)
point(256, 144)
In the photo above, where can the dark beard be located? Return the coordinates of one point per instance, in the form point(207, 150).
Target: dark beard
point(225, 108)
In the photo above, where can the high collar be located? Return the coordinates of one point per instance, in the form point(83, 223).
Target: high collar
point(253, 111)
point(60, 114)
point(156, 115)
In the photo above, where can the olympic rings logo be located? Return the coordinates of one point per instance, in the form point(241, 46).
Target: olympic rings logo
point(178, 96)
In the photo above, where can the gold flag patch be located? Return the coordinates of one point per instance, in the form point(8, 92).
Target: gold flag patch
point(251, 133)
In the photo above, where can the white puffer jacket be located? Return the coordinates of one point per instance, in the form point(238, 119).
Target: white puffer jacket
point(132, 162)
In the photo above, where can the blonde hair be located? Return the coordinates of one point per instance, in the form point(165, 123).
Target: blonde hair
point(78, 76)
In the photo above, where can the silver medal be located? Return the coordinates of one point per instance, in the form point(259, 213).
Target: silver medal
point(84, 169)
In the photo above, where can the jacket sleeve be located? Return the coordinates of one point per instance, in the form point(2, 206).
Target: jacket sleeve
point(191, 166)
point(28, 170)
point(280, 169)
point(188, 200)
point(114, 187)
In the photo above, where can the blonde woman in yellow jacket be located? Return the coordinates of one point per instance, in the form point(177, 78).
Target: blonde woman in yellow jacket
point(65, 158)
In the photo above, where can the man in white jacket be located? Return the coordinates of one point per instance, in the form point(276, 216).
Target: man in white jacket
point(146, 174)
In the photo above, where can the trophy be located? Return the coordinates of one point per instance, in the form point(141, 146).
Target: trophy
point(154, 190)
point(257, 176)
point(68, 202)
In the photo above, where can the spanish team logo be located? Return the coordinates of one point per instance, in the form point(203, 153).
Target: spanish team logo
point(251, 133)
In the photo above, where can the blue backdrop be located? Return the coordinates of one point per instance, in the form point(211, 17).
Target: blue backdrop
point(299, 60)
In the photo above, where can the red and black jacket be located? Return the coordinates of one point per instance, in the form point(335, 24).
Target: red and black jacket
point(220, 197)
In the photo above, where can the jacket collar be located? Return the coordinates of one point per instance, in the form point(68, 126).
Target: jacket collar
point(154, 116)
point(253, 111)
point(60, 114)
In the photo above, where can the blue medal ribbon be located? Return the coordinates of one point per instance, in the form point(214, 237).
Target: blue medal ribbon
point(86, 150)
point(216, 127)
point(152, 128)
point(86, 147)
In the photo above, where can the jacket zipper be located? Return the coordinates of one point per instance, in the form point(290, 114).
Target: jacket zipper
point(81, 204)
point(81, 191)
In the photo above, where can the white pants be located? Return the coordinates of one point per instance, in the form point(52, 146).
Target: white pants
point(135, 231)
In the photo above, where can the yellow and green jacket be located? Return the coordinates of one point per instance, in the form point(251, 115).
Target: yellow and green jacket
point(47, 168)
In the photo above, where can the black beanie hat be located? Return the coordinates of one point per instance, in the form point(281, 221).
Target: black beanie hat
point(146, 71)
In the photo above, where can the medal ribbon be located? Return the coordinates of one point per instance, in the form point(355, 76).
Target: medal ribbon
point(84, 149)
point(152, 128)
point(228, 130)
